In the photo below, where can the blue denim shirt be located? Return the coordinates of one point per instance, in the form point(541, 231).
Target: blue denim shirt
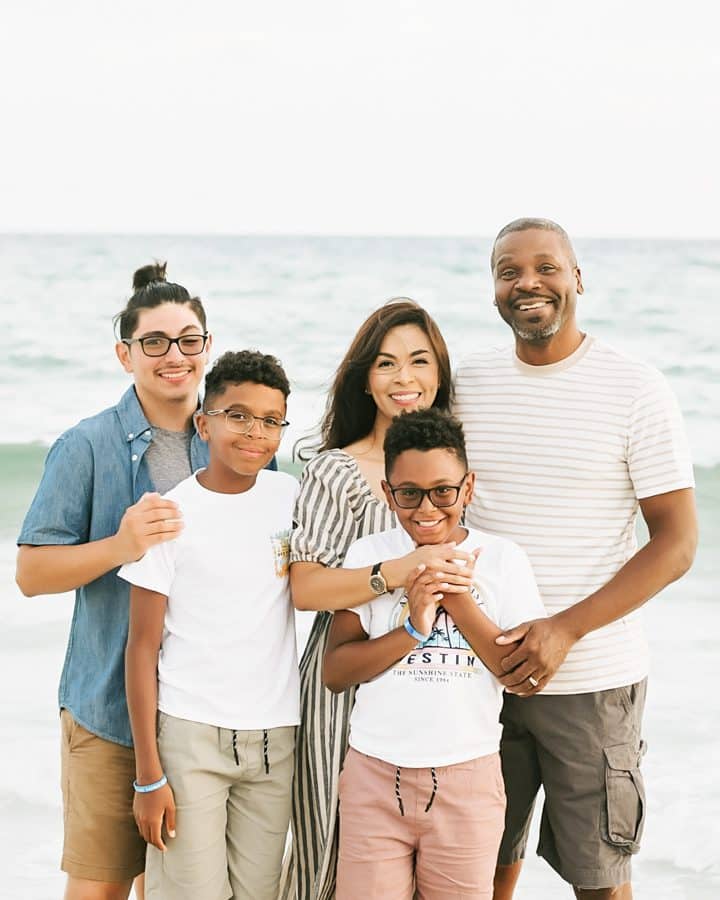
point(93, 472)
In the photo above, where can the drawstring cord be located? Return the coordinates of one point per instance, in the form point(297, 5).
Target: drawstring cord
point(434, 790)
point(397, 791)
point(265, 752)
point(433, 775)
point(266, 756)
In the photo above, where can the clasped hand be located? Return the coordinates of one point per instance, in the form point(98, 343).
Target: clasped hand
point(544, 644)
point(428, 583)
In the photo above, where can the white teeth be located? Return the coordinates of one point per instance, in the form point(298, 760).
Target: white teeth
point(404, 397)
point(429, 524)
point(533, 305)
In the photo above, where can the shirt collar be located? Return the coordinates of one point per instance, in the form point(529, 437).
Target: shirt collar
point(131, 415)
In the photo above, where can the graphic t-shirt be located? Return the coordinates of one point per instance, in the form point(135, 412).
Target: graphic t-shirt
point(438, 705)
point(228, 656)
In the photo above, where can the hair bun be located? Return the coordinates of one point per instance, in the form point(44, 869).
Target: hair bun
point(147, 274)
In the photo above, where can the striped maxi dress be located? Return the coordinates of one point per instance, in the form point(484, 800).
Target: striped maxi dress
point(335, 508)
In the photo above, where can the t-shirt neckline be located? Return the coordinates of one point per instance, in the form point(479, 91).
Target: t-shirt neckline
point(561, 365)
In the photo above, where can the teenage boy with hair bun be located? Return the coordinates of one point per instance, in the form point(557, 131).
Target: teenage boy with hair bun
point(97, 507)
point(421, 792)
point(211, 654)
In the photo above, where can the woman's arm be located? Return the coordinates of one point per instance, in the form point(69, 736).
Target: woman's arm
point(147, 616)
point(318, 587)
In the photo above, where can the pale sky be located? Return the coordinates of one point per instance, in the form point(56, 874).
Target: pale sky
point(374, 117)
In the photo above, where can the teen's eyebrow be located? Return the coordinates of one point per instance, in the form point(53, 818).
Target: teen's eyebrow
point(191, 328)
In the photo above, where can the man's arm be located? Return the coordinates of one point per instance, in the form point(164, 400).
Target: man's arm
point(55, 568)
point(672, 523)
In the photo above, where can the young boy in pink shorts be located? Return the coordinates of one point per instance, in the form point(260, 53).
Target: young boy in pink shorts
point(422, 798)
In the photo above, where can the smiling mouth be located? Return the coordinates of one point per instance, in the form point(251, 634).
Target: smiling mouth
point(406, 398)
point(175, 374)
point(250, 451)
point(428, 523)
point(529, 305)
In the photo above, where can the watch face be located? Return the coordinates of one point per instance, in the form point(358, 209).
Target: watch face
point(377, 583)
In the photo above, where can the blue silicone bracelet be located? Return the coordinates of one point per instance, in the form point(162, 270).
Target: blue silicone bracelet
point(148, 788)
point(420, 638)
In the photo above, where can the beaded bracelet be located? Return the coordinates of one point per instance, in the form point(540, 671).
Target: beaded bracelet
point(420, 638)
point(148, 788)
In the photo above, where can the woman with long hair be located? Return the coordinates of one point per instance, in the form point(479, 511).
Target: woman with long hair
point(398, 361)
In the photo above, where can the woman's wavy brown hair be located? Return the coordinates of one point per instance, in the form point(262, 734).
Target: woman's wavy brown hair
point(350, 411)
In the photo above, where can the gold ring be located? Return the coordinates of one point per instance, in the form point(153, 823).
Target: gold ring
point(532, 681)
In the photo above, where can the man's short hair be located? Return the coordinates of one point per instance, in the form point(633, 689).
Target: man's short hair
point(528, 224)
point(245, 365)
point(423, 429)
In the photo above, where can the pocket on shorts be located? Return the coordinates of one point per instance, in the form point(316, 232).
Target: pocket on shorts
point(625, 796)
point(162, 720)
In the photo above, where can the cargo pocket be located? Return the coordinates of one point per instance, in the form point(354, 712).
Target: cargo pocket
point(625, 796)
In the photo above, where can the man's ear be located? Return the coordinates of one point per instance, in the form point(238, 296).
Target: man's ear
point(122, 351)
point(578, 280)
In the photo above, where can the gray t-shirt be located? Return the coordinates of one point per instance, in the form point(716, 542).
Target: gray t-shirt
point(168, 458)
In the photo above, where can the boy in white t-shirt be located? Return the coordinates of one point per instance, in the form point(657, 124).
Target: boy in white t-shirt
point(211, 653)
point(421, 793)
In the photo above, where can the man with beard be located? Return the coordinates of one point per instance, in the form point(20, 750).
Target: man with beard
point(568, 439)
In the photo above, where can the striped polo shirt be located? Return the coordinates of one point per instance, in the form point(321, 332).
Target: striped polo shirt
point(563, 453)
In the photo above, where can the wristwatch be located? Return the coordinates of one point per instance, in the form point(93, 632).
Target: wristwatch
point(378, 585)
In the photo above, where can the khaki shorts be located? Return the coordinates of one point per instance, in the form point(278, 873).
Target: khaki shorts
point(585, 750)
point(101, 842)
point(232, 795)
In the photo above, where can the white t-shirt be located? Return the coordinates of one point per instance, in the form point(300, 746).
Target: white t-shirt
point(562, 454)
point(438, 705)
point(228, 655)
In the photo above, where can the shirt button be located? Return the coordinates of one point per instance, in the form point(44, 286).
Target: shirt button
point(134, 457)
point(131, 436)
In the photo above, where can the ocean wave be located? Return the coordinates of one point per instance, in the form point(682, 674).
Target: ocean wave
point(21, 467)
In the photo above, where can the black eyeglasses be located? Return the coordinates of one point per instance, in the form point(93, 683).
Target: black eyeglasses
point(441, 496)
point(241, 422)
point(158, 345)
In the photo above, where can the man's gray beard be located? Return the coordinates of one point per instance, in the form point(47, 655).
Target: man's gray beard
point(532, 335)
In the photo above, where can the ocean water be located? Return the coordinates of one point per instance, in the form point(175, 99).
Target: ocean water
point(302, 298)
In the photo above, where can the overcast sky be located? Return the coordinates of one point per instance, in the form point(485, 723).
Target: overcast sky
point(372, 117)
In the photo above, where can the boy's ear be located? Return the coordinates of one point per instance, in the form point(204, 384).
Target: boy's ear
point(201, 424)
point(122, 351)
point(388, 496)
point(468, 488)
